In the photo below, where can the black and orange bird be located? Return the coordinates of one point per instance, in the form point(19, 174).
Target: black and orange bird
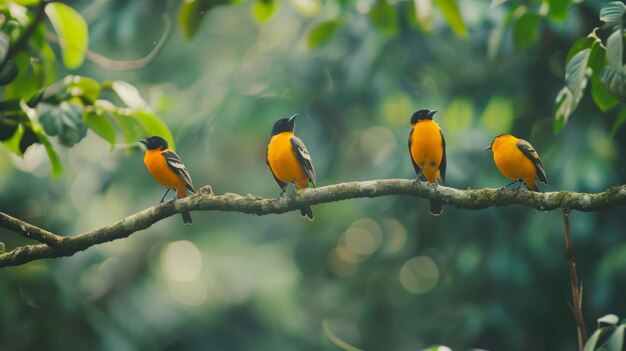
point(517, 160)
point(428, 151)
point(167, 169)
point(289, 160)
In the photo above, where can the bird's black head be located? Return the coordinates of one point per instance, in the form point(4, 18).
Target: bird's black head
point(284, 125)
point(155, 142)
point(422, 115)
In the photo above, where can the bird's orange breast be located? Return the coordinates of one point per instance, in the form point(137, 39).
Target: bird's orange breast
point(512, 162)
point(283, 162)
point(427, 148)
point(157, 166)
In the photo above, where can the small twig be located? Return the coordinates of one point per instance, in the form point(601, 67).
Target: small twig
point(577, 302)
point(29, 231)
point(126, 65)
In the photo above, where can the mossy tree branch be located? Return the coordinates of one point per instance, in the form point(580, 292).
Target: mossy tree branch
point(53, 245)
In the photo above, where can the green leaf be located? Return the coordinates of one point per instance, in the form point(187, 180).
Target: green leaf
point(55, 161)
point(616, 341)
point(307, 8)
point(85, 87)
point(99, 123)
point(565, 105)
point(601, 95)
point(129, 94)
point(13, 143)
point(322, 33)
point(26, 3)
point(615, 82)
point(579, 45)
point(50, 117)
point(423, 14)
point(154, 126)
point(590, 345)
point(28, 138)
point(609, 319)
point(64, 120)
point(74, 129)
point(612, 12)
point(263, 10)
point(4, 46)
point(576, 73)
point(26, 84)
point(131, 129)
point(8, 126)
point(385, 18)
point(8, 73)
point(72, 30)
point(614, 49)
point(452, 14)
point(597, 57)
point(526, 31)
point(192, 12)
point(618, 123)
point(558, 9)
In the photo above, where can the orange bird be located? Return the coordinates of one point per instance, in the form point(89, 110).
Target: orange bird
point(517, 160)
point(167, 168)
point(428, 151)
point(289, 160)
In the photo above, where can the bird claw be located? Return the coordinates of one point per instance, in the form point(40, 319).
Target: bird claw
point(283, 192)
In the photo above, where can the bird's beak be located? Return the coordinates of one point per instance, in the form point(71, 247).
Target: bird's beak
point(293, 118)
point(489, 148)
point(431, 113)
point(144, 141)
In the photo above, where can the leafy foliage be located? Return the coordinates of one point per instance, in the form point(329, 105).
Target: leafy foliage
point(35, 108)
point(590, 59)
point(609, 337)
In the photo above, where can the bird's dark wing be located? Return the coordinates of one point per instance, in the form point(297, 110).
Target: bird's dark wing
point(280, 183)
point(302, 154)
point(417, 168)
point(176, 165)
point(532, 155)
point(444, 162)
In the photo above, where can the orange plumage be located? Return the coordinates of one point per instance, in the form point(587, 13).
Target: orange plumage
point(517, 160)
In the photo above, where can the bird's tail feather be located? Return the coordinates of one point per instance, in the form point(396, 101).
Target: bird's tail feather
point(187, 218)
point(436, 208)
point(307, 212)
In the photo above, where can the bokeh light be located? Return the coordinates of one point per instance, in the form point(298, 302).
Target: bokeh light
point(419, 275)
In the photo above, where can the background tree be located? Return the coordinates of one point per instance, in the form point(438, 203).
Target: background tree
point(378, 274)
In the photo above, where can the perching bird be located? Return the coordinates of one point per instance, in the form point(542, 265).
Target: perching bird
point(167, 168)
point(517, 160)
point(428, 151)
point(289, 160)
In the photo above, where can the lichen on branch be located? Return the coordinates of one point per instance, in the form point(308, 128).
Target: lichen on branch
point(52, 245)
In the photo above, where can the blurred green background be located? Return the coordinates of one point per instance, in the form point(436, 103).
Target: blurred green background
point(380, 274)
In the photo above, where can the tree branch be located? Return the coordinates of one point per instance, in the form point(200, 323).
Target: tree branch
point(577, 294)
point(204, 200)
point(126, 65)
point(29, 231)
